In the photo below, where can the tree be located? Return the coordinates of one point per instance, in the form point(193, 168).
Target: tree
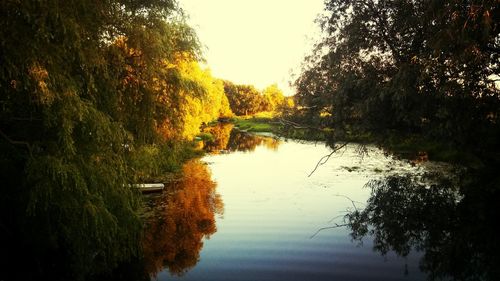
point(274, 97)
point(78, 94)
point(244, 99)
point(199, 99)
point(412, 67)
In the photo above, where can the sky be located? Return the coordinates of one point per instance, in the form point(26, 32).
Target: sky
point(257, 42)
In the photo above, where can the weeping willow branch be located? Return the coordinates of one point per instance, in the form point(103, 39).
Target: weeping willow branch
point(336, 217)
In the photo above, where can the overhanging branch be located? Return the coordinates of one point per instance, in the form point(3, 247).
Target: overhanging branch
point(16, 142)
point(325, 158)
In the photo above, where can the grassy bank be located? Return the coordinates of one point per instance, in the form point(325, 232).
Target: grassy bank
point(256, 124)
point(409, 147)
point(275, 126)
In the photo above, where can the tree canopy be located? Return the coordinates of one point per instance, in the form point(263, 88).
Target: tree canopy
point(85, 88)
point(247, 100)
point(412, 67)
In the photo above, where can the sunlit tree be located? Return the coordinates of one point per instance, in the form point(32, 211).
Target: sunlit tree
point(245, 99)
point(83, 84)
point(274, 97)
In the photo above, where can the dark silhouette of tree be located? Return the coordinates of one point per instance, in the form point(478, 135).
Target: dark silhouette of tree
point(407, 67)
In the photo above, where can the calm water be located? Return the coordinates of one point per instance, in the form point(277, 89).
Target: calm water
point(261, 213)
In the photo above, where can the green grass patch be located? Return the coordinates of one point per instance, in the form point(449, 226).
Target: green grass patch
point(255, 124)
point(263, 123)
point(206, 137)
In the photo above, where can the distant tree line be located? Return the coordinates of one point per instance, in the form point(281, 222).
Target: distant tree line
point(247, 100)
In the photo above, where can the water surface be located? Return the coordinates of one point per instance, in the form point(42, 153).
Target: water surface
point(272, 211)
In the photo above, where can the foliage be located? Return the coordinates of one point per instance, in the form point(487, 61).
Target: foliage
point(208, 102)
point(243, 99)
point(255, 124)
point(91, 95)
point(159, 162)
point(410, 67)
point(273, 98)
point(247, 100)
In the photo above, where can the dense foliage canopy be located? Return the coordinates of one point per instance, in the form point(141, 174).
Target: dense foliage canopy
point(88, 91)
point(426, 67)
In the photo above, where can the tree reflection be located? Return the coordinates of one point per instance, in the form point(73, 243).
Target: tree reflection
point(221, 133)
point(451, 221)
point(174, 235)
point(227, 139)
point(243, 141)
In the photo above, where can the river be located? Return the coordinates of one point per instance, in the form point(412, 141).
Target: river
point(250, 211)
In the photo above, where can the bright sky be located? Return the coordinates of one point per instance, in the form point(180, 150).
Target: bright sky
point(256, 42)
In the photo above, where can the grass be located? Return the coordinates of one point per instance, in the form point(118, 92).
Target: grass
point(255, 124)
point(265, 122)
point(205, 136)
point(405, 146)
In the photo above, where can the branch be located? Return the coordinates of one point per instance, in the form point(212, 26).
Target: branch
point(334, 218)
point(14, 142)
point(30, 119)
point(336, 225)
point(352, 201)
point(328, 227)
point(297, 125)
point(325, 158)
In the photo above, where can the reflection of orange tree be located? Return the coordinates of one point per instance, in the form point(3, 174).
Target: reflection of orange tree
point(173, 239)
point(241, 141)
point(271, 143)
point(221, 133)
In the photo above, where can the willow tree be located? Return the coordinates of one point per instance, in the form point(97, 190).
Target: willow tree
point(67, 122)
point(422, 67)
point(199, 98)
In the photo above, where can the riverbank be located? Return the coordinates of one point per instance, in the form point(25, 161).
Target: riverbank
point(161, 163)
point(280, 127)
point(412, 147)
